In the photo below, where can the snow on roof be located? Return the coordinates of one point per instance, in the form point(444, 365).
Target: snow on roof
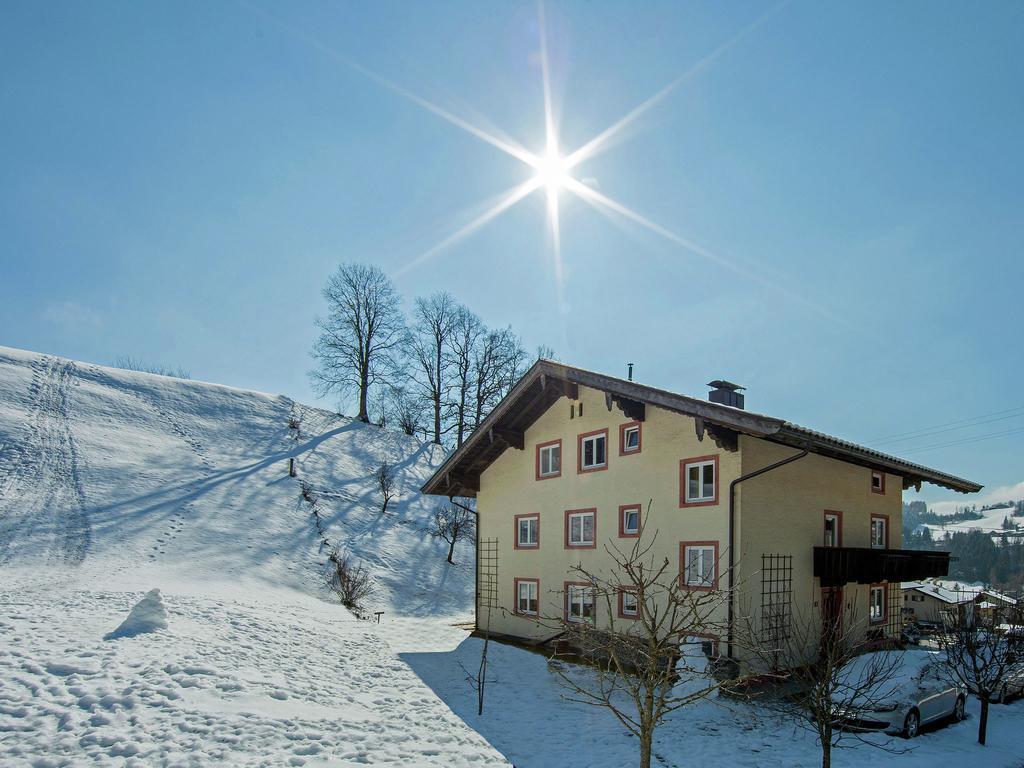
point(1005, 599)
point(950, 592)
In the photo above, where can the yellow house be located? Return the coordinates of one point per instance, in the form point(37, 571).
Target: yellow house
point(790, 519)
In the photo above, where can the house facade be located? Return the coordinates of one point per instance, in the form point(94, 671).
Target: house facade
point(573, 462)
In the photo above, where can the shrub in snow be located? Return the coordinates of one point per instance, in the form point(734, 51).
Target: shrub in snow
point(148, 615)
point(351, 583)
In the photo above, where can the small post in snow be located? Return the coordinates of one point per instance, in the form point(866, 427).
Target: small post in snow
point(291, 467)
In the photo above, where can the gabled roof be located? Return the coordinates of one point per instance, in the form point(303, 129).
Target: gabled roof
point(547, 381)
point(945, 594)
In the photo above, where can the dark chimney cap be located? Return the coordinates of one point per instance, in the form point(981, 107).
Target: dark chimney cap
point(721, 384)
point(725, 393)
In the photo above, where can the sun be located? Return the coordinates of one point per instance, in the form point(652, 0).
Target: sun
point(552, 171)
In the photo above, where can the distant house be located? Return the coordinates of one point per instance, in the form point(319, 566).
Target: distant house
point(936, 601)
point(939, 600)
point(571, 461)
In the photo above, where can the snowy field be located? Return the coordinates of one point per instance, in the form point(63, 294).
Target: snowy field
point(115, 483)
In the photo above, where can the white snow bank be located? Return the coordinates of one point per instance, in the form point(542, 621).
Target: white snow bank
point(147, 615)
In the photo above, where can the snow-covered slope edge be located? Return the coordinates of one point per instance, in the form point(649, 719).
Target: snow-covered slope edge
point(105, 472)
point(113, 483)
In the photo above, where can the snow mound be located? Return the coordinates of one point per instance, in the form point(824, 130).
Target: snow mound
point(148, 615)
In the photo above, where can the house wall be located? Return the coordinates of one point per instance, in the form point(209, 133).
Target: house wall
point(783, 512)
point(508, 488)
point(928, 609)
point(779, 513)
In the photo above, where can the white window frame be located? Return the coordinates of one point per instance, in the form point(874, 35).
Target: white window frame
point(714, 484)
point(836, 531)
point(626, 432)
point(582, 543)
point(628, 594)
point(534, 588)
point(705, 557)
point(603, 436)
point(626, 512)
point(535, 520)
point(574, 591)
point(547, 451)
point(882, 525)
point(874, 617)
point(880, 488)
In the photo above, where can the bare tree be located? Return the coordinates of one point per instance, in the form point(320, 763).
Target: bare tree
point(980, 653)
point(545, 352)
point(129, 363)
point(812, 662)
point(406, 410)
point(644, 655)
point(453, 524)
point(361, 334)
point(433, 320)
point(467, 331)
point(351, 583)
point(385, 478)
point(497, 365)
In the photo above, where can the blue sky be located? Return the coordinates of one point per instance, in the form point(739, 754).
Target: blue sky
point(179, 179)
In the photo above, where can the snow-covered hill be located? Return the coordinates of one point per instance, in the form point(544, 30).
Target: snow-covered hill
point(113, 483)
point(990, 522)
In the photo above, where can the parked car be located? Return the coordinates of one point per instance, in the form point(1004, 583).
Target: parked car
point(928, 627)
point(911, 691)
point(1013, 686)
point(911, 635)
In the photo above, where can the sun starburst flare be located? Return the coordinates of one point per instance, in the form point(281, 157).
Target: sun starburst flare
point(553, 169)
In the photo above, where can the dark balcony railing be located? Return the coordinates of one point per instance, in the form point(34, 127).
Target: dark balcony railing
point(836, 566)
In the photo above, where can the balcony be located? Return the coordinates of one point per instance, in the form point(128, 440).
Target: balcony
point(836, 566)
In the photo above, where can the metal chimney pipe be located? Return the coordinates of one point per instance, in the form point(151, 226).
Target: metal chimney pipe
point(630, 377)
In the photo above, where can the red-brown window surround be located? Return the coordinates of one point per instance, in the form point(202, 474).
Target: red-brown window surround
point(515, 539)
point(565, 597)
point(549, 443)
point(623, 614)
point(683, 481)
point(639, 438)
point(683, 564)
point(622, 521)
point(515, 599)
point(568, 512)
point(886, 519)
point(885, 603)
point(839, 525)
point(579, 451)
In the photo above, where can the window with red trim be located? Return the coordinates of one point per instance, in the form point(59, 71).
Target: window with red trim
point(549, 460)
point(580, 604)
point(527, 531)
point(876, 603)
point(527, 597)
point(833, 529)
point(629, 521)
point(581, 528)
point(592, 453)
point(698, 564)
point(629, 438)
point(698, 481)
point(629, 605)
point(879, 532)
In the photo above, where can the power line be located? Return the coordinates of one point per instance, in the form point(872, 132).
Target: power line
point(930, 433)
point(922, 432)
point(967, 440)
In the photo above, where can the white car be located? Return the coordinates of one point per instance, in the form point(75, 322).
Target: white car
point(1012, 687)
point(912, 691)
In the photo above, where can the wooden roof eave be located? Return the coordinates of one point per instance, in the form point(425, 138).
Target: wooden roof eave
point(913, 475)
